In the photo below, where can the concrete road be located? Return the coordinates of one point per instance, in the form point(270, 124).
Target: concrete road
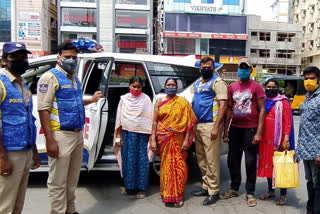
point(99, 192)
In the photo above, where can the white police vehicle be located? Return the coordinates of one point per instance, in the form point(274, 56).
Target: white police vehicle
point(110, 73)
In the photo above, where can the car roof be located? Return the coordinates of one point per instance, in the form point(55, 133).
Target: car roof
point(283, 77)
point(177, 60)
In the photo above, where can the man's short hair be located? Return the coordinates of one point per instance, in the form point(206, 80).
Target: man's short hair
point(67, 46)
point(4, 55)
point(207, 59)
point(312, 69)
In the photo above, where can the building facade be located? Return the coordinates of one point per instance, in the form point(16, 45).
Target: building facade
point(274, 46)
point(32, 22)
point(280, 11)
point(203, 28)
point(307, 14)
point(133, 26)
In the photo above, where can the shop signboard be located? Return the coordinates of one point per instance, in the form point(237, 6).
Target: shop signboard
point(230, 59)
point(220, 7)
point(206, 35)
point(29, 26)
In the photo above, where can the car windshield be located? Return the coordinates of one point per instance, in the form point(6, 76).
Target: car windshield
point(159, 73)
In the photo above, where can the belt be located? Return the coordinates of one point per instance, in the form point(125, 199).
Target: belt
point(73, 130)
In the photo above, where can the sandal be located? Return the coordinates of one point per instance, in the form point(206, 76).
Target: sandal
point(179, 204)
point(141, 195)
point(282, 201)
point(267, 195)
point(123, 191)
point(230, 194)
point(252, 201)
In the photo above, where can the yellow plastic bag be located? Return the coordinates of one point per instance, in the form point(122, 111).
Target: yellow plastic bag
point(285, 170)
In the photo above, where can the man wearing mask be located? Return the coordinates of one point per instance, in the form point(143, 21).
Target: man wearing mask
point(18, 151)
point(62, 117)
point(246, 109)
point(209, 105)
point(308, 147)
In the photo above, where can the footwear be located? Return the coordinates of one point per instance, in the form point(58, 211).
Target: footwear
point(179, 204)
point(199, 193)
point(251, 200)
point(141, 195)
point(282, 201)
point(267, 195)
point(123, 191)
point(211, 199)
point(73, 213)
point(232, 193)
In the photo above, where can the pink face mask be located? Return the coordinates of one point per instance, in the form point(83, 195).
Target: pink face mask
point(135, 93)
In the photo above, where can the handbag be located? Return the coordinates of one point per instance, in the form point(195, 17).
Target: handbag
point(285, 170)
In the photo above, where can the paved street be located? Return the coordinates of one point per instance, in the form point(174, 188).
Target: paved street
point(98, 192)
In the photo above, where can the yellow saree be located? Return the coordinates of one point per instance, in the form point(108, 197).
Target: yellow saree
point(175, 118)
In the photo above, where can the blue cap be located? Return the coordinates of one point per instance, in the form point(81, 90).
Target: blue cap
point(11, 47)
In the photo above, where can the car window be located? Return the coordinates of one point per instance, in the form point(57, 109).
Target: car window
point(123, 71)
point(34, 72)
point(160, 72)
point(97, 78)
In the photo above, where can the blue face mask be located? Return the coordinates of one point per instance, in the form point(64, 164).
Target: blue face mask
point(170, 91)
point(244, 73)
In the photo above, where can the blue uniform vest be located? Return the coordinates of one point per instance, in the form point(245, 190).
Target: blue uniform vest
point(69, 100)
point(17, 122)
point(204, 103)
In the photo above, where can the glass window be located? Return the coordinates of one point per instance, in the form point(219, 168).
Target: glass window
point(69, 36)
point(83, 17)
point(205, 23)
point(130, 19)
point(122, 72)
point(131, 44)
point(225, 47)
point(135, 2)
point(5, 20)
point(159, 73)
point(181, 46)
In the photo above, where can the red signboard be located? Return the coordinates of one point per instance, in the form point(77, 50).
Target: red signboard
point(77, 18)
point(205, 35)
point(132, 44)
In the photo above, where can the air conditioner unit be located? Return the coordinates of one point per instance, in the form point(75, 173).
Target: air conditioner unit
point(311, 10)
point(296, 2)
point(318, 24)
point(318, 44)
point(303, 14)
point(296, 18)
point(302, 49)
point(310, 46)
point(310, 29)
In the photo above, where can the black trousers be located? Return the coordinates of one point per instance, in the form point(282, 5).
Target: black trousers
point(240, 140)
point(312, 175)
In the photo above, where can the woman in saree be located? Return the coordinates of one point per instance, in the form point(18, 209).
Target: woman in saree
point(172, 134)
point(278, 136)
point(132, 131)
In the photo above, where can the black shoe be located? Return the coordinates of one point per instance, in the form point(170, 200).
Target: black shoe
point(199, 193)
point(73, 213)
point(211, 199)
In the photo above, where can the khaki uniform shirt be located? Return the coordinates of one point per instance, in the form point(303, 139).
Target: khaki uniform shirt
point(19, 83)
point(47, 89)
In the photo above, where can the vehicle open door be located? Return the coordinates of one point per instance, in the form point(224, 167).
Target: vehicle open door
point(97, 74)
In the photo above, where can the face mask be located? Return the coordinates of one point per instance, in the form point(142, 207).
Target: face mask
point(206, 73)
point(310, 85)
point(135, 93)
point(170, 91)
point(244, 73)
point(18, 67)
point(68, 65)
point(271, 92)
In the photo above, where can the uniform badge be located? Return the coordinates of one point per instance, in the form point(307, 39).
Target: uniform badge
point(43, 88)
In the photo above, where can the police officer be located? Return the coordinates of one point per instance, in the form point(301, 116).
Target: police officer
point(18, 151)
point(209, 105)
point(62, 116)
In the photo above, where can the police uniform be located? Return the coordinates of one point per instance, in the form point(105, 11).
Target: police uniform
point(62, 98)
point(205, 106)
point(18, 134)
